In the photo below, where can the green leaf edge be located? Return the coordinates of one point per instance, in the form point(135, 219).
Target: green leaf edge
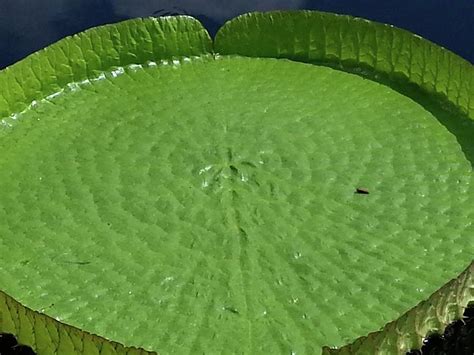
point(353, 44)
point(343, 41)
point(99, 50)
point(46, 335)
point(46, 72)
point(407, 332)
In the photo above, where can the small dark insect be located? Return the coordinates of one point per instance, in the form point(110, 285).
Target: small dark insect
point(231, 309)
point(78, 262)
point(362, 190)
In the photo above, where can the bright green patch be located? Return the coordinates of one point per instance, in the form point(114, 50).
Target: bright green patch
point(196, 203)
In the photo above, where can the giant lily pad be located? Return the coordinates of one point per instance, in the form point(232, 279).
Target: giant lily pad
point(187, 196)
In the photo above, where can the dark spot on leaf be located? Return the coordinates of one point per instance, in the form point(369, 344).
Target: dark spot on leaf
point(362, 190)
point(78, 262)
point(231, 309)
point(234, 170)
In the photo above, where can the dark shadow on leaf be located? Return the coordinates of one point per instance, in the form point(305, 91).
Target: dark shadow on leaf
point(450, 116)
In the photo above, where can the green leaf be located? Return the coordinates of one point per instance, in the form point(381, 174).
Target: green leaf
point(101, 49)
point(48, 336)
point(188, 197)
point(351, 43)
point(407, 332)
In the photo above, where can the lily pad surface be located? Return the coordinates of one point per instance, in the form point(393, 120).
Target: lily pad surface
point(299, 182)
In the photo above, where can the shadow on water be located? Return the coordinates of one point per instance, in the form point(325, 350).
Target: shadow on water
point(450, 116)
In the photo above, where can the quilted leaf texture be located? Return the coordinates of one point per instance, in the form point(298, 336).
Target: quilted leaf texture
point(48, 336)
point(87, 54)
point(432, 315)
point(350, 44)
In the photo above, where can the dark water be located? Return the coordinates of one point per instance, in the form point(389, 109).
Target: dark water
point(28, 25)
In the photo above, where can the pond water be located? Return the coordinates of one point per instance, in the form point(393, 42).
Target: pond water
point(26, 26)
